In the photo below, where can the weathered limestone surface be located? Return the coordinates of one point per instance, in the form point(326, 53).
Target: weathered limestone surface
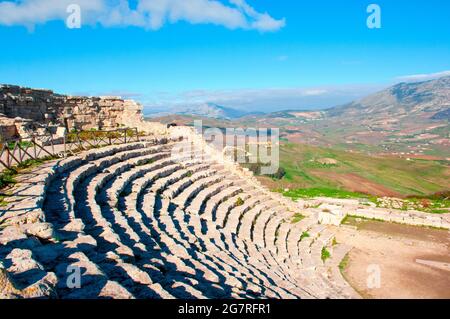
point(22, 108)
point(7, 126)
point(331, 214)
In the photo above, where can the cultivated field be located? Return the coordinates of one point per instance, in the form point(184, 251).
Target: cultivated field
point(308, 166)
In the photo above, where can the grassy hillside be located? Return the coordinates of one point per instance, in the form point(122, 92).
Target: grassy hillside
point(308, 166)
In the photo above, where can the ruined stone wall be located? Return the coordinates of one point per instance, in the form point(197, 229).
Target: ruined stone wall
point(72, 112)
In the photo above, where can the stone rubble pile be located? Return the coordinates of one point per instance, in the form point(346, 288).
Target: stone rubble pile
point(332, 211)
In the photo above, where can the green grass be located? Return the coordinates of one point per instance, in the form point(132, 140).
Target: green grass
point(30, 163)
point(7, 178)
point(353, 220)
point(22, 144)
point(344, 263)
point(432, 204)
point(3, 203)
point(305, 234)
point(322, 192)
point(296, 218)
point(149, 161)
point(334, 242)
point(325, 254)
point(356, 220)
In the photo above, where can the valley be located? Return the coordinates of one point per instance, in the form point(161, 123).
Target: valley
point(393, 143)
point(309, 166)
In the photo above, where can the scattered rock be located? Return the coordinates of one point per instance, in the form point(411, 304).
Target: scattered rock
point(327, 161)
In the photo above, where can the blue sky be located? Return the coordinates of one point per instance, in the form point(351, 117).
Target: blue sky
point(255, 55)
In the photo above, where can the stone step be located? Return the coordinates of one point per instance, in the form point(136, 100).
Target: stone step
point(235, 215)
point(213, 203)
point(183, 198)
point(224, 208)
point(201, 200)
point(258, 228)
point(174, 189)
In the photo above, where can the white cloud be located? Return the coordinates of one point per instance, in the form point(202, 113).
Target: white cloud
point(148, 14)
point(31, 12)
point(423, 77)
point(314, 92)
point(261, 21)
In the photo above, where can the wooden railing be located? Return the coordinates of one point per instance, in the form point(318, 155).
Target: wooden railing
point(15, 151)
point(84, 140)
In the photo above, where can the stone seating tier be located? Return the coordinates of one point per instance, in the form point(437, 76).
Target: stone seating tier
point(141, 223)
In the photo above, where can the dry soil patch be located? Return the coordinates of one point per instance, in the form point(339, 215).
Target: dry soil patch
point(394, 249)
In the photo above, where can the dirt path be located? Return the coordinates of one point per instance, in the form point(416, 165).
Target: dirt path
point(394, 249)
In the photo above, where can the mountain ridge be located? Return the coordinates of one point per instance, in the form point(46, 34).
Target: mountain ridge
point(429, 97)
point(209, 110)
point(404, 119)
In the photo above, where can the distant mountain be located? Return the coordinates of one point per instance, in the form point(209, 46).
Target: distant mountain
point(407, 118)
point(209, 110)
point(293, 115)
point(416, 101)
point(443, 115)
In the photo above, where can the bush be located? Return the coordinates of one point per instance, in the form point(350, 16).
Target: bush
point(239, 202)
point(256, 169)
point(296, 218)
point(334, 243)
point(281, 172)
point(425, 203)
point(325, 254)
point(305, 234)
